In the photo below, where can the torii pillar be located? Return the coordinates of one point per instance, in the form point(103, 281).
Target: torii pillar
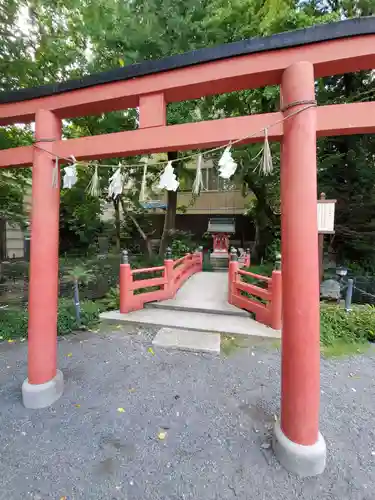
point(44, 384)
point(297, 443)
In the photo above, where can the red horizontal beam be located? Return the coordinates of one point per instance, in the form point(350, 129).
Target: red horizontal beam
point(346, 119)
point(148, 270)
point(16, 157)
point(339, 119)
point(253, 275)
point(252, 290)
point(136, 285)
point(200, 135)
point(244, 72)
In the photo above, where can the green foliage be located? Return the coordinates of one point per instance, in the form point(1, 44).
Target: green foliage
point(79, 274)
point(182, 244)
point(342, 348)
point(357, 325)
point(111, 301)
point(61, 40)
point(264, 269)
point(95, 276)
point(80, 223)
point(13, 322)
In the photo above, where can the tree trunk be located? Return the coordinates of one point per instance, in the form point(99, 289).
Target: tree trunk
point(170, 215)
point(2, 239)
point(143, 235)
point(116, 205)
point(2, 246)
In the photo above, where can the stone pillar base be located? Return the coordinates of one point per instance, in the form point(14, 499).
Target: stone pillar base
point(36, 396)
point(301, 460)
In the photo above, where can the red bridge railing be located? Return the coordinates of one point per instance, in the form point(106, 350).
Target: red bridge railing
point(173, 275)
point(265, 303)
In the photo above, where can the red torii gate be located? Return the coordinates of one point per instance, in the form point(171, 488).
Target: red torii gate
point(293, 60)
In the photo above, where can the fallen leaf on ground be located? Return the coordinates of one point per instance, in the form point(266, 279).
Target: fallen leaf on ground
point(120, 410)
point(265, 446)
point(132, 389)
point(63, 498)
point(10, 341)
point(69, 355)
point(77, 405)
point(354, 390)
point(22, 340)
point(151, 351)
point(162, 435)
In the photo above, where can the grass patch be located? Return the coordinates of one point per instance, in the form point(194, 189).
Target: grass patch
point(14, 322)
point(356, 326)
point(346, 333)
point(340, 348)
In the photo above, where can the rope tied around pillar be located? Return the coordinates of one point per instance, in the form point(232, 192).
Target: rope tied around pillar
point(306, 102)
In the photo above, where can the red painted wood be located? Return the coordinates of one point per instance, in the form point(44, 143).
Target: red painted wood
point(136, 285)
point(247, 262)
point(269, 314)
point(250, 71)
point(126, 294)
point(338, 119)
point(43, 288)
point(253, 290)
point(175, 274)
point(232, 277)
point(169, 273)
point(261, 312)
point(17, 157)
point(253, 275)
point(276, 302)
point(152, 110)
point(300, 351)
point(148, 270)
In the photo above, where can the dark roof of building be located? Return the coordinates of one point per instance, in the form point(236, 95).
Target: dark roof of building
point(315, 34)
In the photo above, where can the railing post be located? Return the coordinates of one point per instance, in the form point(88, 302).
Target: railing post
point(232, 273)
point(248, 258)
point(276, 300)
point(126, 279)
point(169, 273)
point(200, 252)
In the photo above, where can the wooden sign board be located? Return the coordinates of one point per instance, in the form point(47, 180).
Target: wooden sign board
point(326, 216)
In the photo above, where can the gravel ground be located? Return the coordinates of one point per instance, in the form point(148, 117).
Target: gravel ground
point(214, 413)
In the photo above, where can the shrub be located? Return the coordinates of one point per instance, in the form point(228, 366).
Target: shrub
point(13, 322)
point(182, 244)
point(357, 325)
point(111, 301)
point(66, 320)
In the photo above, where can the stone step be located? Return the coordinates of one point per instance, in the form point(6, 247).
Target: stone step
point(188, 340)
point(205, 307)
point(212, 323)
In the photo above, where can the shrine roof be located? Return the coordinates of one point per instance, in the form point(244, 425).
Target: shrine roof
point(315, 34)
point(221, 225)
